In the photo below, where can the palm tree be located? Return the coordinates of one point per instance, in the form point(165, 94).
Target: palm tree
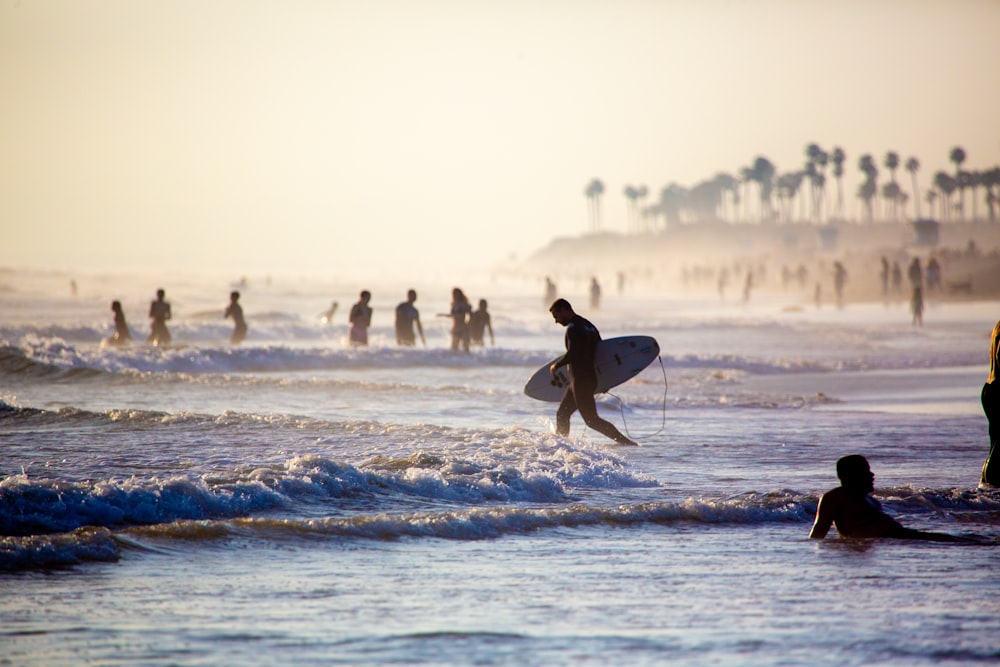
point(672, 201)
point(892, 164)
point(727, 183)
point(866, 193)
point(893, 195)
point(787, 188)
point(975, 180)
point(816, 160)
point(957, 155)
point(838, 157)
point(869, 189)
point(966, 181)
point(931, 196)
point(641, 194)
point(632, 196)
point(593, 191)
point(991, 179)
point(746, 177)
point(763, 175)
point(913, 166)
point(947, 185)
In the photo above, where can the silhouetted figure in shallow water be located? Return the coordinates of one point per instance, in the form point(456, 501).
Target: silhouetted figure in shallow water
point(360, 319)
point(327, 316)
point(595, 294)
point(408, 318)
point(582, 338)
point(884, 278)
point(550, 291)
point(897, 279)
point(460, 312)
point(479, 323)
point(159, 312)
point(122, 335)
point(857, 514)
point(915, 273)
point(839, 280)
point(990, 398)
point(917, 306)
point(235, 311)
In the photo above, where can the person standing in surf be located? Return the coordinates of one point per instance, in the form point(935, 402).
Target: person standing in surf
point(361, 319)
point(159, 312)
point(582, 338)
point(235, 311)
point(460, 312)
point(479, 323)
point(407, 316)
point(122, 335)
point(990, 398)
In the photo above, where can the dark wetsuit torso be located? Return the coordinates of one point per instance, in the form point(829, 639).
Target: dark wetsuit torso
point(990, 398)
point(582, 338)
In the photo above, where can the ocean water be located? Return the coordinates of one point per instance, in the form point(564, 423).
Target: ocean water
point(297, 501)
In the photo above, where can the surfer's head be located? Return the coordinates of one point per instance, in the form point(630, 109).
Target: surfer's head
point(854, 472)
point(562, 311)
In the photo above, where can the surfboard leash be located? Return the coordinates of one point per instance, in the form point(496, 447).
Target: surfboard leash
point(663, 407)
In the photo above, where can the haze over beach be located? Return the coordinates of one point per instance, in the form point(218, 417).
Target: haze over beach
point(258, 468)
point(383, 138)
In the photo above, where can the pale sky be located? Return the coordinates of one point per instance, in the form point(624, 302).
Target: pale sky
point(361, 138)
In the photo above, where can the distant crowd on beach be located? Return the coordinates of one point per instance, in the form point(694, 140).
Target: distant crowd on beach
point(891, 279)
point(469, 326)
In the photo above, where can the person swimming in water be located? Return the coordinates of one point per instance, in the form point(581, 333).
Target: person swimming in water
point(159, 312)
point(326, 317)
point(582, 338)
point(479, 323)
point(122, 335)
point(855, 513)
point(408, 317)
point(235, 311)
point(360, 319)
point(459, 314)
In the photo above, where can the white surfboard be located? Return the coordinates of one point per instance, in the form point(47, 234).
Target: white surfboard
point(617, 360)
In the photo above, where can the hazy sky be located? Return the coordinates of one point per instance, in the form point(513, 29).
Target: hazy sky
point(361, 137)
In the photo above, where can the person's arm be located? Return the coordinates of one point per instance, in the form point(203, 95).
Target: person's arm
point(489, 327)
point(420, 330)
point(824, 518)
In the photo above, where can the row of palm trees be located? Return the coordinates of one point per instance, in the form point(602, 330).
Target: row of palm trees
point(779, 194)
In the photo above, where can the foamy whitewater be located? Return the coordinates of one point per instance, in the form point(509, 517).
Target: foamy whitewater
point(297, 501)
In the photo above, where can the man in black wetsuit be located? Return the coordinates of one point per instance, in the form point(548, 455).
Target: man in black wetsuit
point(582, 338)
